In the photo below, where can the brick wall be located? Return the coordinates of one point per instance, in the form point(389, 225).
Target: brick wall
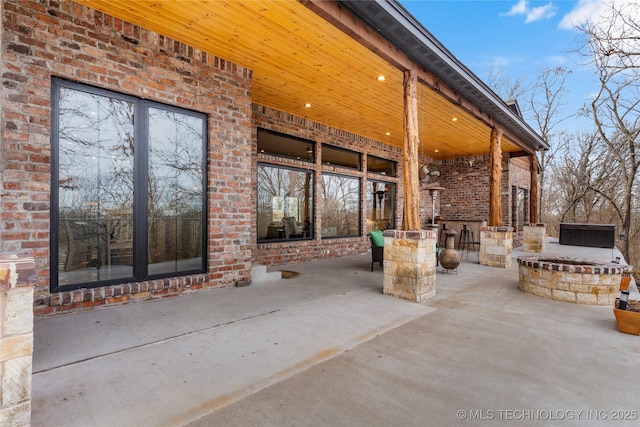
point(467, 188)
point(60, 38)
point(520, 175)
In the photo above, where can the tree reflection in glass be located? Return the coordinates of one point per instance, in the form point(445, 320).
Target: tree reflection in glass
point(175, 203)
point(340, 206)
point(284, 193)
point(95, 187)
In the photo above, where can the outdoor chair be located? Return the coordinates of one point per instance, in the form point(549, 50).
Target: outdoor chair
point(290, 227)
point(377, 248)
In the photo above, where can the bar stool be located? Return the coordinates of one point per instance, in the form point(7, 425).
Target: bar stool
point(467, 241)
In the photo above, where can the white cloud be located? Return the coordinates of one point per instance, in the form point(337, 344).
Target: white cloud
point(519, 8)
point(584, 11)
point(532, 14)
point(593, 11)
point(541, 12)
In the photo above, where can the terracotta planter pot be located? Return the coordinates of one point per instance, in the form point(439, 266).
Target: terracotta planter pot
point(624, 283)
point(628, 321)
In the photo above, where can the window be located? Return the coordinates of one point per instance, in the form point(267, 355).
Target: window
point(519, 209)
point(285, 203)
point(127, 195)
point(285, 146)
point(380, 206)
point(381, 166)
point(340, 206)
point(340, 157)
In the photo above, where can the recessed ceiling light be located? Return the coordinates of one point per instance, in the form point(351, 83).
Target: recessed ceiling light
point(437, 151)
point(307, 105)
point(381, 78)
point(454, 119)
point(388, 133)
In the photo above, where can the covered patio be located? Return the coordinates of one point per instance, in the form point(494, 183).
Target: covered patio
point(322, 349)
point(358, 96)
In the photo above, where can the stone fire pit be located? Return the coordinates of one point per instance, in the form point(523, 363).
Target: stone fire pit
point(575, 280)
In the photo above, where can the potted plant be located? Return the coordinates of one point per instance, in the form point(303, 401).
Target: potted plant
point(628, 320)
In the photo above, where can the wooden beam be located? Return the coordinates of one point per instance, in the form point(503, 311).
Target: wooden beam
point(410, 216)
point(533, 193)
point(519, 154)
point(495, 181)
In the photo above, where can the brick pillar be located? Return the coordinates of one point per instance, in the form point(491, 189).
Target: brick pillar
point(534, 237)
point(17, 278)
point(410, 264)
point(496, 244)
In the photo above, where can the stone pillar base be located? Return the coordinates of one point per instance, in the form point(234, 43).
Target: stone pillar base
point(534, 238)
point(496, 244)
point(410, 264)
point(17, 277)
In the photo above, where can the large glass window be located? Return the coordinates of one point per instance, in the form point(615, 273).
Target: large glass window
point(285, 203)
point(174, 206)
point(340, 206)
point(380, 206)
point(127, 188)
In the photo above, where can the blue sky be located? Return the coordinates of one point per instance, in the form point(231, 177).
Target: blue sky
point(520, 37)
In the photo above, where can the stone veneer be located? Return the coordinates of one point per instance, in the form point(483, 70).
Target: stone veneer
point(410, 264)
point(496, 245)
point(534, 237)
point(567, 279)
point(17, 278)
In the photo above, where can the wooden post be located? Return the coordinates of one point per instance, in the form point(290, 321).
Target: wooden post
point(410, 217)
point(495, 181)
point(533, 193)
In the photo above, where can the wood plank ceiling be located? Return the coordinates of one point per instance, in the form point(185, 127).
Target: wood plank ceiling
point(297, 58)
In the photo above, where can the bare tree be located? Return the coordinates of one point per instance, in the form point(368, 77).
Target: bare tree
point(578, 173)
point(503, 85)
point(613, 46)
point(546, 108)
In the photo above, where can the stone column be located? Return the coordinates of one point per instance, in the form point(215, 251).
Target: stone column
point(410, 264)
point(17, 277)
point(496, 244)
point(534, 237)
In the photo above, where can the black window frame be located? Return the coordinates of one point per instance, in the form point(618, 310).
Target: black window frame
point(393, 166)
point(332, 148)
point(298, 148)
point(393, 198)
point(359, 193)
point(140, 177)
point(310, 231)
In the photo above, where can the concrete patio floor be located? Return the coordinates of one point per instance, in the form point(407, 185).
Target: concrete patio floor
point(327, 348)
